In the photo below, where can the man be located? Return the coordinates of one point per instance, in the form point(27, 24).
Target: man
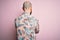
point(27, 26)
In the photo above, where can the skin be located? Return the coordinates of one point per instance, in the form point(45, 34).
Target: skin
point(28, 10)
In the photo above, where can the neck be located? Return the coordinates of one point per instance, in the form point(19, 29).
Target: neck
point(28, 12)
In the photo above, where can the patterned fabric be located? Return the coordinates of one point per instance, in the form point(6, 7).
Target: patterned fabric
point(26, 25)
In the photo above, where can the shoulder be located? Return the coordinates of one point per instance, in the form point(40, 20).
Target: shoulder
point(34, 19)
point(19, 17)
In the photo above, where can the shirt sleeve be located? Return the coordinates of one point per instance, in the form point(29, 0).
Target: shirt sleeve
point(35, 22)
point(18, 22)
point(36, 25)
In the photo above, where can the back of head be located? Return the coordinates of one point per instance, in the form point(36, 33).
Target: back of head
point(27, 4)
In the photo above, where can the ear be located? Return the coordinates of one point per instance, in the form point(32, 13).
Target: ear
point(22, 8)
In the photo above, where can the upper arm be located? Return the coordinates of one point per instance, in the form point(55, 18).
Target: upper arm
point(15, 23)
point(37, 28)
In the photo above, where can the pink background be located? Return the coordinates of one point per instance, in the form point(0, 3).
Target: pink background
point(47, 11)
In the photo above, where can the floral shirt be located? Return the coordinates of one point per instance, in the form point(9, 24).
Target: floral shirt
point(26, 25)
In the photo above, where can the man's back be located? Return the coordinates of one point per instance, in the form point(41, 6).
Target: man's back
point(26, 25)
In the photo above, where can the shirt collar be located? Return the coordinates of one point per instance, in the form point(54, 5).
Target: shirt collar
point(27, 13)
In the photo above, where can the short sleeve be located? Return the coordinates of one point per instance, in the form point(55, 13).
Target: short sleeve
point(18, 23)
point(35, 22)
point(37, 27)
